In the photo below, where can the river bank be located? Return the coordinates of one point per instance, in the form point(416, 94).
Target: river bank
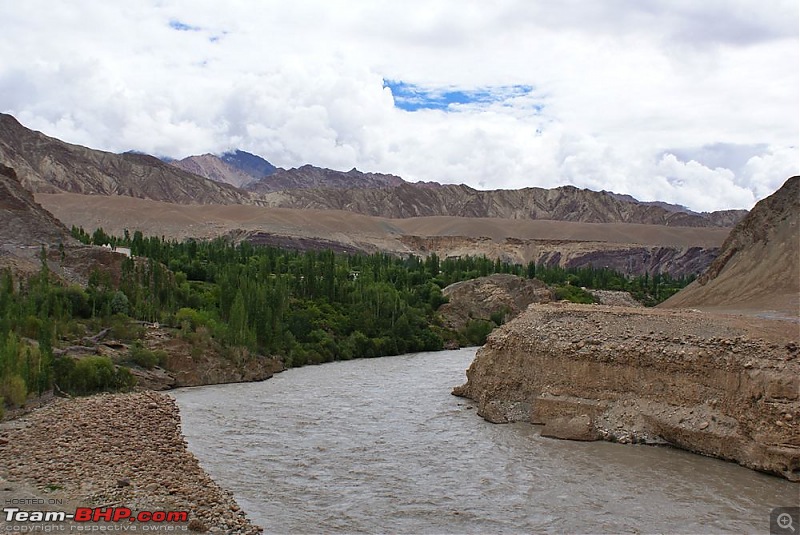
point(720, 385)
point(113, 450)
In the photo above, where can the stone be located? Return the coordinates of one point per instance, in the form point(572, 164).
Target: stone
point(575, 428)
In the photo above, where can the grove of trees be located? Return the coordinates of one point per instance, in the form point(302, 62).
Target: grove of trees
point(305, 307)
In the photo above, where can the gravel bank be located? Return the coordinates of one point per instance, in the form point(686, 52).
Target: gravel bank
point(110, 450)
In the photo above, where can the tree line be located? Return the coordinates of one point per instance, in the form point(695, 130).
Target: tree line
point(305, 307)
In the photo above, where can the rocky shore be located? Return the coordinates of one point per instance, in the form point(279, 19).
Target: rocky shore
point(114, 450)
point(720, 385)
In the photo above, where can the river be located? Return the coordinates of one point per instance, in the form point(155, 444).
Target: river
point(381, 446)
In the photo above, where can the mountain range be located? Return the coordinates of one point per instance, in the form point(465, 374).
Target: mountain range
point(48, 165)
point(312, 207)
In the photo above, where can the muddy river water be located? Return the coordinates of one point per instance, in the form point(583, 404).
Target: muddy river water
point(381, 446)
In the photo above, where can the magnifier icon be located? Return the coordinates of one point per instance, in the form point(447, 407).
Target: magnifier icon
point(785, 522)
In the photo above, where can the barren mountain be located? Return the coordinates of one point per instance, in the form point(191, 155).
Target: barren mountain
point(566, 203)
point(252, 164)
point(758, 267)
point(721, 218)
point(22, 220)
point(214, 168)
point(310, 177)
point(45, 164)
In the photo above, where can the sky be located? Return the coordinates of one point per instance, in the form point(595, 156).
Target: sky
point(684, 101)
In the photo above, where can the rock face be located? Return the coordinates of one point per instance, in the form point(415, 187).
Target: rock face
point(116, 450)
point(500, 293)
point(45, 164)
point(722, 386)
point(566, 203)
point(213, 168)
point(22, 220)
point(758, 267)
point(253, 165)
point(311, 177)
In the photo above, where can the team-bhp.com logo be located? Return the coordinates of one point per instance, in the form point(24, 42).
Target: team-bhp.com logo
point(88, 514)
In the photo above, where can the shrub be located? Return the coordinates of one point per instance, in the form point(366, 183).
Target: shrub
point(122, 328)
point(476, 331)
point(574, 294)
point(119, 303)
point(146, 358)
point(499, 316)
point(14, 390)
point(91, 374)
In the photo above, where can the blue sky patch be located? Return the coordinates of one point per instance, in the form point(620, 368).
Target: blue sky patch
point(175, 24)
point(411, 97)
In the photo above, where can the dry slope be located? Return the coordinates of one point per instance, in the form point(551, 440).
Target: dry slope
point(758, 268)
point(45, 164)
point(22, 220)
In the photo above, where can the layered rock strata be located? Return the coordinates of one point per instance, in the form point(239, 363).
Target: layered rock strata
point(723, 386)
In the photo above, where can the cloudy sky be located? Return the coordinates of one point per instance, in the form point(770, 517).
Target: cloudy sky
point(686, 101)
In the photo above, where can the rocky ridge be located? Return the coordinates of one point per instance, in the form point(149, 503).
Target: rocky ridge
point(723, 386)
point(566, 203)
point(48, 165)
point(213, 168)
point(311, 177)
point(116, 450)
point(45, 164)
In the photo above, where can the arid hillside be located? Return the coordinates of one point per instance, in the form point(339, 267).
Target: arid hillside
point(566, 203)
point(758, 268)
point(213, 168)
point(22, 220)
point(311, 207)
point(311, 177)
point(46, 164)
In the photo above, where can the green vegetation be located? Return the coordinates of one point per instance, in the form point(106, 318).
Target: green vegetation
point(647, 289)
point(91, 374)
point(146, 358)
point(307, 308)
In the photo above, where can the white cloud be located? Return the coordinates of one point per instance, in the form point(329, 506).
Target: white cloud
point(634, 93)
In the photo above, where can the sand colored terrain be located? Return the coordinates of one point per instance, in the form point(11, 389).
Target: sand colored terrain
point(116, 213)
point(758, 268)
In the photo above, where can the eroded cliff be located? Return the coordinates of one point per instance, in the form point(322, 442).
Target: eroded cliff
point(722, 386)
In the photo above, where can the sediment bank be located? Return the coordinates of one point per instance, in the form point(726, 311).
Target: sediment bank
point(723, 386)
point(114, 450)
